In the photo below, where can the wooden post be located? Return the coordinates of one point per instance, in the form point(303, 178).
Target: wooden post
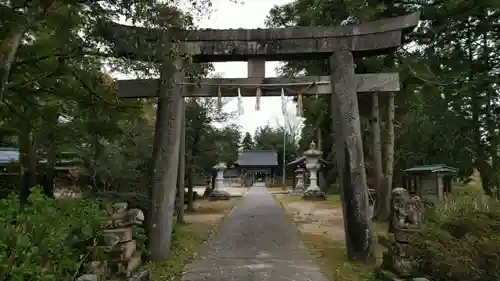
point(166, 161)
point(350, 161)
point(182, 166)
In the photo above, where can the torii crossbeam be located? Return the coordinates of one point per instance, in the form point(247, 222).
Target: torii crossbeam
point(285, 44)
point(142, 88)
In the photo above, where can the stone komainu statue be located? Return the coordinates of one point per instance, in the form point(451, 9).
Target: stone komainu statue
point(405, 221)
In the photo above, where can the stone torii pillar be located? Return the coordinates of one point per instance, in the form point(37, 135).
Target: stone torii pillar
point(349, 156)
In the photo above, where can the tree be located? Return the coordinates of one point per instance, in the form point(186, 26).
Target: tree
point(247, 142)
point(51, 80)
point(270, 138)
point(448, 86)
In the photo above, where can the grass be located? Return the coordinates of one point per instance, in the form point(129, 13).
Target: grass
point(188, 239)
point(332, 257)
point(333, 261)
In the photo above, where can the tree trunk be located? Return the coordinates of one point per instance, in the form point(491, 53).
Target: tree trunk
point(190, 182)
point(182, 169)
point(28, 162)
point(389, 147)
point(8, 55)
point(167, 138)
point(321, 174)
point(350, 158)
point(49, 177)
point(382, 203)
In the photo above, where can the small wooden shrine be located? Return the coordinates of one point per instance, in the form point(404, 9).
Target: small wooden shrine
point(430, 182)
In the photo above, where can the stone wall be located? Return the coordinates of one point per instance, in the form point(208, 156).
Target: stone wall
point(124, 258)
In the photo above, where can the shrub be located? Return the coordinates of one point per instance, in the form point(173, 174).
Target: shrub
point(48, 239)
point(460, 241)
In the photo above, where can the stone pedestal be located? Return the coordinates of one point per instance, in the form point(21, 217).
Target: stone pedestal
point(313, 192)
point(219, 192)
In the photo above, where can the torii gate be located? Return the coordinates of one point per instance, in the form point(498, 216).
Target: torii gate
point(339, 44)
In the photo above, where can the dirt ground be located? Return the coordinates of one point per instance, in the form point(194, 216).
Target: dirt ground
point(316, 217)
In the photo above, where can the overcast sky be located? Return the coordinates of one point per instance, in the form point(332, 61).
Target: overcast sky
point(251, 14)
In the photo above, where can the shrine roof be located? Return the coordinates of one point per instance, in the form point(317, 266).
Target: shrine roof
point(434, 168)
point(257, 158)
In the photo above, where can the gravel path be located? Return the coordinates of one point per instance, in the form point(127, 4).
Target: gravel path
point(256, 242)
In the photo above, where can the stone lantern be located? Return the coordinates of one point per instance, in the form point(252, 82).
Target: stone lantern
point(299, 175)
point(312, 165)
point(219, 178)
point(219, 192)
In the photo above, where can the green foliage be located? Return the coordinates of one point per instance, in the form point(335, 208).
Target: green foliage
point(247, 142)
point(269, 138)
point(460, 241)
point(447, 111)
point(48, 239)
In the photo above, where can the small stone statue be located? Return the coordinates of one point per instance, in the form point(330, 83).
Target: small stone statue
point(406, 212)
point(405, 221)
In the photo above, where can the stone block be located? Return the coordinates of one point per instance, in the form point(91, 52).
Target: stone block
point(117, 235)
point(128, 267)
point(133, 264)
point(99, 268)
point(314, 195)
point(129, 249)
point(219, 195)
point(256, 68)
point(126, 218)
point(402, 250)
point(116, 208)
point(403, 236)
point(88, 277)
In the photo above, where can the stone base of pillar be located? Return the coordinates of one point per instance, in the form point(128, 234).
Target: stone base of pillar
point(298, 190)
point(314, 195)
point(219, 195)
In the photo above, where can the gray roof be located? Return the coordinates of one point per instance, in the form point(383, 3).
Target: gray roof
point(435, 168)
point(258, 158)
point(8, 155)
